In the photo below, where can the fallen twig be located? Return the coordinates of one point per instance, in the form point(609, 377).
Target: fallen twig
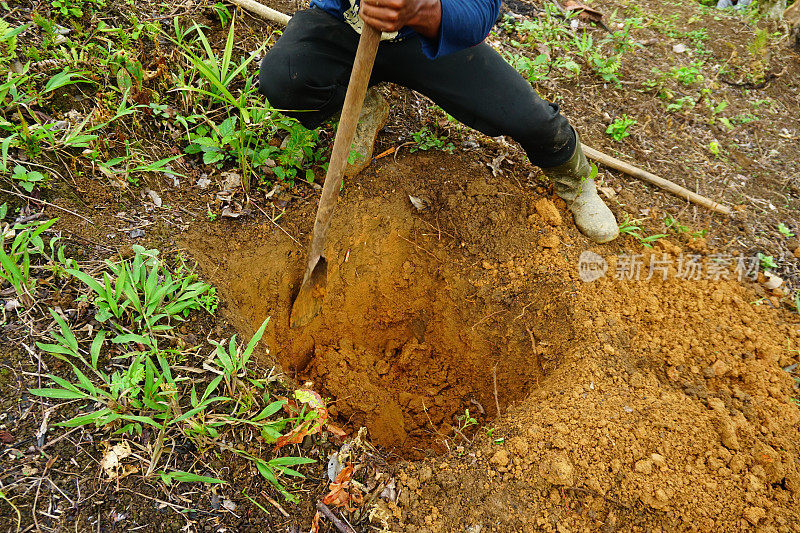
point(333, 519)
point(275, 504)
point(54, 206)
point(277, 225)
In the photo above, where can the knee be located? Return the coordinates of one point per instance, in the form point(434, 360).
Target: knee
point(293, 91)
point(547, 139)
point(274, 81)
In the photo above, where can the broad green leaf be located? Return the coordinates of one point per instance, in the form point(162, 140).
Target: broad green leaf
point(97, 343)
point(61, 394)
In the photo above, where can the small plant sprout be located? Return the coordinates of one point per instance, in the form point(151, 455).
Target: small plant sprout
point(27, 179)
point(630, 226)
point(714, 148)
point(767, 261)
point(619, 128)
point(464, 421)
point(784, 230)
point(425, 139)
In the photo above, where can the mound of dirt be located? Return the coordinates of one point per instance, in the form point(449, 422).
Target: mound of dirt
point(630, 403)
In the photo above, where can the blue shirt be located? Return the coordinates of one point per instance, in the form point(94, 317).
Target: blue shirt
point(465, 23)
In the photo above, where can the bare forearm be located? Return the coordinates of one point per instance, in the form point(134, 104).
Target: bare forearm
point(423, 16)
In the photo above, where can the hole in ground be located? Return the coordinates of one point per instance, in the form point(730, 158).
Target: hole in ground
point(413, 330)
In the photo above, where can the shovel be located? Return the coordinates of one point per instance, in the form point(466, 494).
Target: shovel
point(308, 303)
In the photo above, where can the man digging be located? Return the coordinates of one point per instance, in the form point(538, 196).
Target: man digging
point(435, 47)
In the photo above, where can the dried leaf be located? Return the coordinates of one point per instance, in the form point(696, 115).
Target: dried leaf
point(154, 197)
point(234, 210)
point(389, 492)
point(110, 462)
point(295, 436)
point(587, 14)
point(315, 523)
point(772, 281)
point(495, 165)
point(6, 437)
point(310, 398)
point(336, 430)
point(419, 202)
point(231, 180)
point(229, 505)
point(308, 427)
point(342, 493)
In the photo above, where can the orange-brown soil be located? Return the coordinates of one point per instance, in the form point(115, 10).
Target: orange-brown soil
point(657, 405)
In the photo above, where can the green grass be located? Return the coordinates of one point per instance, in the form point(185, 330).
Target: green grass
point(24, 241)
point(122, 378)
point(630, 226)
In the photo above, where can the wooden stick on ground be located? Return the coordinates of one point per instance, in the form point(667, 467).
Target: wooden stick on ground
point(643, 175)
point(276, 16)
point(335, 520)
point(263, 11)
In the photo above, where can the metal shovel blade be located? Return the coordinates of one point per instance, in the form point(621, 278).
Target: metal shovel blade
point(308, 303)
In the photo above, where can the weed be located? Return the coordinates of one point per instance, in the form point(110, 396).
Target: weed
point(232, 361)
point(15, 264)
point(464, 421)
point(16, 509)
point(149, 390)
point(186, 477)
point(630, 226)
point(219, 73)
point(744, 118)
point(27, 179)
point(533, 70)
point(680, 103)
point(565, 47)
point(688, 75)
point(784, 230)
point(272, 470)
point(144, 294)
point(767, 262)
point(426, 139)
point(672, 223)
point(619, 128)
point(125, 168)
point(222, 12)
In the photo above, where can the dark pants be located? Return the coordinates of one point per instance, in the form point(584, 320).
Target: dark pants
point(308, 69)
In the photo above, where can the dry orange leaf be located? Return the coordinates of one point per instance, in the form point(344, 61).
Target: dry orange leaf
point(342, 493)
point(308, 427)
point(336, 430)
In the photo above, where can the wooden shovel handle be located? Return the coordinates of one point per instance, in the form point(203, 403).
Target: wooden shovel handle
point(353, 100)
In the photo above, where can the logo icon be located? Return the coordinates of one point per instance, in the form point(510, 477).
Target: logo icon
point(591, 266)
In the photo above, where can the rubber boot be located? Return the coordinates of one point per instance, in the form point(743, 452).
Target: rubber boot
point(572, 183)
point(374, 114)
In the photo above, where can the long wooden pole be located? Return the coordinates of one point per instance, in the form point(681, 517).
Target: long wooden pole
point(648, 177)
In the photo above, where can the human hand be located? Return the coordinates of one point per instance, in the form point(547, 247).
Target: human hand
point(423, 16)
